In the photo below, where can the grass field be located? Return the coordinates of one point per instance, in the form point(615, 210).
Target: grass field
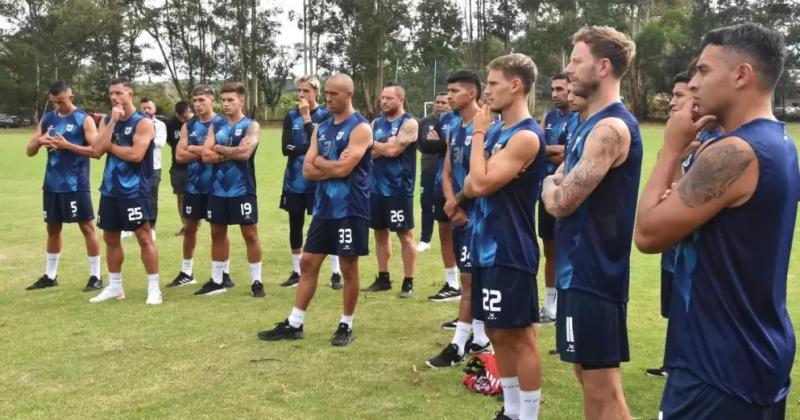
point(193, 357)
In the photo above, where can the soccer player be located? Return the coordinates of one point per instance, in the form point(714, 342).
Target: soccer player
point(555, 123)
point(230, 148)
point(506, 166)
point(298, 193)
point(189, 152)
point(392, 194)
point(593, 195)
point(464, 89)
point(339, 159)
point(430, 150)
point(177, 171)
point(148, 108)
point(730, 341)
point(68, 135)
point(127, 137)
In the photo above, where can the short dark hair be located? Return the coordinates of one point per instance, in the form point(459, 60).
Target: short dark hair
point(145, 99)
point(560, 76)
point(203, 90)
point(469, 77)
point(121, 81)
point(765, 47)
point(398, 88)
point(439, 93)
point(682, 77)
point(181, 107)
point(517, 65)
point(59, 87)
point(234, 87)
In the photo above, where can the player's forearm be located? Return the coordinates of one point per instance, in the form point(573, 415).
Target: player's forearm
point(659, 182)
point(33, 147)
point(87, 151)
point(332, 168)
point(189, 154)
point(210, 156)
point(235, 153)
point(312, 172)
point(392, 148)
point(128, 154)
point(549, 194)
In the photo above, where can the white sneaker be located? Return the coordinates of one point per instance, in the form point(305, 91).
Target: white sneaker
point(108, 294)
point(154, 298)
point(423, 246)
point(126, 234)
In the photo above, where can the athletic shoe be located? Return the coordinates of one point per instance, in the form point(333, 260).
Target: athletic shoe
point(423, 246)
point(226, 281)
point(343, 335)
point(282, 331)
point(154, 298)
point(475, 348)
point(210, 288)
point(182, 279)
point(43, 283)
point(500, 415)
point(380, 285)
point(449, 357)
point(126, 234)
point(446, 294)
point(180, 231)
point(450, 325)
point(292, 281)
point(94, 283)
point(109, 293)
point(257, 289)
point(657, 373)
point(407, 289)
point(336, 281)
point(553, 352)
point(545, 318)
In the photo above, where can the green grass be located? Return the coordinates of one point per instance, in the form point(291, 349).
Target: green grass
point(61, 357)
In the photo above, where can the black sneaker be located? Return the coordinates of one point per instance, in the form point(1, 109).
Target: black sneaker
point(210, 288)
point(292, 281)
point(336, 281)
point(182, 279)
point(257, 289)
point(282, 331)
point(381, 284)
point(449, 325)
point(449, 357)
point(657, 373)
point(180, 231)
point(93, 284)
point(446, 294)
point(226, 281)
point(500, 415)
point(43, 283)
point(343, 335)
point(407, 289)
point(475, 348)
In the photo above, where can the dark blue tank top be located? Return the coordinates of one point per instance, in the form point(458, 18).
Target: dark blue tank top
point(503, 228)
point(728, 322)
point(199, 173)
point(593, 244)
point(393, 177)
point(447, 121)
point(66, 171)
point(293, 180)
point(338, 198)
point(233, 178)
point(123, 179)
point(460, 149)
point(556, 127)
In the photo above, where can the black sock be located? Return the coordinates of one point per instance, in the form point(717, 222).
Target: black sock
point(408, 279)
point(383, 275)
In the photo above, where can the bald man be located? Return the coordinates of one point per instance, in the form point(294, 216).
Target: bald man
point(339, 158)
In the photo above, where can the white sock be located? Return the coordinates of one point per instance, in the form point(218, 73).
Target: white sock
point(347, 319)
point(51, 265)
point(335, 264)
point(296, 317)
point(152, 283)
point(451, 276)
point(461, 335)
point(529, 404)
point(94, 266)
point(296, 263)
point(479, 336)
point(216, 271)
point(255, 271)
point(550, 301)
point(115, 281)
point(188, 266)
point(227, 267)
point(511, 397)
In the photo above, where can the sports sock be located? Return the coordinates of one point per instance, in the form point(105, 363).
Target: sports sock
point(347, 319)
point(187, 267)
point(227, 268)
point(550, 301)
point(115, 281)
point(529, 404)
point(479, 336)
point(296, 317)
point(216, 271)
point(511, 397)
point(296, 263)
point(461, 335)
point(255, 271)
point(334, 265)
point(451, 277)
point(94, 266)
point(51, 266)
point(152, 283)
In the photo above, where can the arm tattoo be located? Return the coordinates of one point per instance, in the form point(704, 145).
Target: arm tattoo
point(712, 174)
point(253, 132)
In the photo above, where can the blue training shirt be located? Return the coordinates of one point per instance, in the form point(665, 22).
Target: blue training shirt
point(728, 321)
point(123, 179)
point(293, 180)
point(198, 179)
point(393, 176)
point(593, 244)
point(66, 171)
point(447, 121)
point(503, 227)
point(556, 130)
point(233, 178)
point(459, 149)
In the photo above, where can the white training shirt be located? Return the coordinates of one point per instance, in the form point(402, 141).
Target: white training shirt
point(160, 140)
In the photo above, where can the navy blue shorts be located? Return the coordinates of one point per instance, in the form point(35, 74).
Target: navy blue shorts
point(395, 213)
point(438, 209)
point(547, 223)
point(343, 237)
point(232, 210)
point(67, 207)
point(687, 397)
point(195, 206)
point(666, 291)
point(504, 297)
point(118, 214)
point(297, 202)
point(591, 331)
point(461, 241)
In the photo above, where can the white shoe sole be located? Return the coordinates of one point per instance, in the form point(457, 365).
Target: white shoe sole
point(450, 299)
point(96, 300)
point(186, 284)
point(215, 292)
point(158, 302)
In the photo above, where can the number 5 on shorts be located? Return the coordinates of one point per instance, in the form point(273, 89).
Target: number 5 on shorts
point(345, 236)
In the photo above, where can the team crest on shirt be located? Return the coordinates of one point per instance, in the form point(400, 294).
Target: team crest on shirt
point(379, 133)
point(339, 135)
point(70, 127)
point(128, 130)
point(238, 132)
point(295, 127)
point(468, 141)
point(176, 134)
point(394, 130)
